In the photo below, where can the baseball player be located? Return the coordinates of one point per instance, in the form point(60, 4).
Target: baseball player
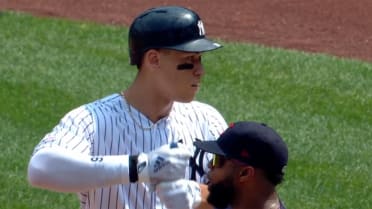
point(113, 152)
point(248, 163)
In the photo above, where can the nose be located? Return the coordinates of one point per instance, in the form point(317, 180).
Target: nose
point(198, 69)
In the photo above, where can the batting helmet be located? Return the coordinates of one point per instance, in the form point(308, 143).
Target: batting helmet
point(168, 27)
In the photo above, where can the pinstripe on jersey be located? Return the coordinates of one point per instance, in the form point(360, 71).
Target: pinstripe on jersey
point(105, 127)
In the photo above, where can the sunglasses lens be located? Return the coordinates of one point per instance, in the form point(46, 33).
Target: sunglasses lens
point(215, 160)
point(218, 161)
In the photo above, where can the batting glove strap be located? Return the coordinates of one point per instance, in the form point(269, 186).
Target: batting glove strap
point(133, 173)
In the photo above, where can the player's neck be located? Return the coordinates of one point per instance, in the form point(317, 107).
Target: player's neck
point(150, 105)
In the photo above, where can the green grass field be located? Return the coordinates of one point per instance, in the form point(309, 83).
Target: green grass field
point(321, 105)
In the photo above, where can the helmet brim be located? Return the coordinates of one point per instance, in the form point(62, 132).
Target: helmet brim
point(198, 45)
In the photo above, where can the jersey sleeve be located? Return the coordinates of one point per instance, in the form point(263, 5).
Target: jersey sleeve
point(62, 161)
point(74, 132)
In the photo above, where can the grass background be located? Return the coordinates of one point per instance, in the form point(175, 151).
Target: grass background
point(321, 105)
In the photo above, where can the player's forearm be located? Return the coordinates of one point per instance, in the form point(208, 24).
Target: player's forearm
point(64, 171)
point(204, 195)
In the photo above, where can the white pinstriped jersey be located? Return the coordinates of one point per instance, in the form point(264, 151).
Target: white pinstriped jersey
point(105, 127)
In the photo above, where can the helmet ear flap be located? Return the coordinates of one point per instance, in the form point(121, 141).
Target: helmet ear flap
point(132, 51)
point(136, 51)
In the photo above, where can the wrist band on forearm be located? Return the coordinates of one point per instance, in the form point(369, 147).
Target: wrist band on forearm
point(133, 173)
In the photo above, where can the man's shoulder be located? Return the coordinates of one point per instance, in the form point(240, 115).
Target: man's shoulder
point(112, 103)
point(109, 100)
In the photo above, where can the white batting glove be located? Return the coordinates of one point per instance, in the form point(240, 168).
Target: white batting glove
point(163, 164)
point(179, 194)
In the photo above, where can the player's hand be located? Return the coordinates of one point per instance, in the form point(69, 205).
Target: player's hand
point(163, 164)
point(179, 194)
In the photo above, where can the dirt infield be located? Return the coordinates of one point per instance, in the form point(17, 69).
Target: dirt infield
point(339, 27)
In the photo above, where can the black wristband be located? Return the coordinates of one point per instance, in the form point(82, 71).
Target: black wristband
point(133, 173)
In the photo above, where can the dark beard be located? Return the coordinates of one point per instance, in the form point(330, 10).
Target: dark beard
point(221, 194)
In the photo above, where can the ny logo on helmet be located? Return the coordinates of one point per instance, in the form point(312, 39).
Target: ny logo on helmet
point(201, 28)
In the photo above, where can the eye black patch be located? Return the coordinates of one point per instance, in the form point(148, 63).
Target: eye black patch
point(185, 66)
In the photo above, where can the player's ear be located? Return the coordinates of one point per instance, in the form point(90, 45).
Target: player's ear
point(151, 58)
point(246, 173)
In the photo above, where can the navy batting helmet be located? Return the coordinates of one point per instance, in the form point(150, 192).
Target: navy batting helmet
point(169, 27)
